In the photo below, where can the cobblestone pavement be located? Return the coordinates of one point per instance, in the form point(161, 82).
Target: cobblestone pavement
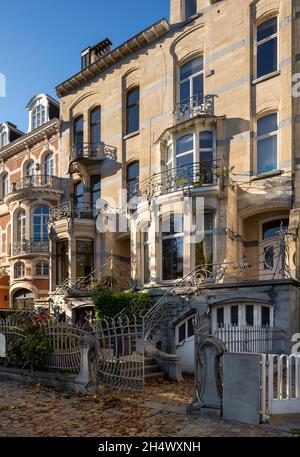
point(40, 411)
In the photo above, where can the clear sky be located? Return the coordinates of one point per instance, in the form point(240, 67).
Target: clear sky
point(41, 42)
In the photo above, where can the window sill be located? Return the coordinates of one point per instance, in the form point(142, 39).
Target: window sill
point(267, 175)
point(131, 135)
point(190, 19)
point(266, 77)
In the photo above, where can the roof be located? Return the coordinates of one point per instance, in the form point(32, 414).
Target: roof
point(135, 43)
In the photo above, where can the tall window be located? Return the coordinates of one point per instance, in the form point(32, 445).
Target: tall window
point(206, 155)
point(42, 268)
point(19, 270)
point(145, 255)
point(185, 151)
point(204, 247)
point(78, 134)
point(95, 191)
point(172, 247)
point(267, 47)
point(21, 226)
point(38, 116)
point(191, 83)
point(4, 185)
point(267, 143)
point(79, 195)
point(40, 224)
point(84, 258)
point(3, 139)
point(133, 173)
point(49, 164)
point(133, 111)
point(190, 8)
point(29, 169)
point(95, 128)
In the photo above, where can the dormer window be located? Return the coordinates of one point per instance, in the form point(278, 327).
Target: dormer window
point(3, 139)
point(38, 116)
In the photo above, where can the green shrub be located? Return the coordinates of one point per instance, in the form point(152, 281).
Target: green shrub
point(29, 351)
point(108, 303)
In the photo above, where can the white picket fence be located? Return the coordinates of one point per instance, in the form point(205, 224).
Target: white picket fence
point(280, 379)
point(246, 338)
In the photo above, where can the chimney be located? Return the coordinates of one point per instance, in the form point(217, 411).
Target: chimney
point(92, 54)
point(85, 58)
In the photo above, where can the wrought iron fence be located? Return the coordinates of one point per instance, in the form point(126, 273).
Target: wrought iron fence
point(93, 151)
point(197, 105)
point(191, 176)
point(120, 351)
point(70, 210)
point(28, 247)
point(36, 181)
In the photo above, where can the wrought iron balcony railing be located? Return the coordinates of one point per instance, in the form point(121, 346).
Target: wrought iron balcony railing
point(28, 247)
point(194, 175)
point(197, 105)
point(34, 182)
point(94, 152)
point(71, 211)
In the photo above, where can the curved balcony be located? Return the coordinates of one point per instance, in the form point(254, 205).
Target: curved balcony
point(71, 211)
point(197, 175)
point(88, 153)
point(25, 247)
point(32, 185)
point(195, 106)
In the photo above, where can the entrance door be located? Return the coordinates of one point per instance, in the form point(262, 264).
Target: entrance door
point(184, 335)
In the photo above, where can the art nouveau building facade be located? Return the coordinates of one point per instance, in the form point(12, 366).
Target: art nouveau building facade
point(192, 116)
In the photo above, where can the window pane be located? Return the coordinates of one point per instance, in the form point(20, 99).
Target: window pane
point(190, 8)
point(190, 327)
point(234, 311)
point(95, 116)
point(181, 333)
point(267, 124)
point(184, 144)
point(267, 154)
point(184, 161)
point(220, 316)
point(133, 171)
point(133, 97)
point(172, 225)
point(269, 258)
point(146, 264)
point(206, 140)
point(267, 57)
point(265, 316)
point(267, 29)
point(133, 111)
point(191, 68)
point(272, 229)
point(198, 87)
point(204, 252)
point(185, 91)
point(172, 264)
point(249, 315)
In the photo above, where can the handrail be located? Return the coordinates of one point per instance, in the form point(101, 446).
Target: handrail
point(35, 181)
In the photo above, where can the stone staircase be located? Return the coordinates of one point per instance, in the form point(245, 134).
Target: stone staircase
point(152, 370)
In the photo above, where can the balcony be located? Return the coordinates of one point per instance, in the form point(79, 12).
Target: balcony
point(195, 106)
point(193, 176)
point(25, 247)
point(33, 185)
point(71, 211)
point(88, 153)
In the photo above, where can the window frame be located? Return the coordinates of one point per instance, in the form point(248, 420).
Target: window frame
point(190, 78)
point(43, 222)
point(19, 264)
point(261, 42)
point(45, 270)
point(76, 133)
point(49, 163)
point(265, 136)
point(163, 238)
point(129, 107)
point(145, 230)
point(94, 125)
point(132, 180)
point(38, 115)
point(4, 185)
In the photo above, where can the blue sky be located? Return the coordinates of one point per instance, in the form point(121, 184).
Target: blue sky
point(41, 42)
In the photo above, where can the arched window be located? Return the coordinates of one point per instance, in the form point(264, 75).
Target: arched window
point(267, 47)
point(21, 226)
point(19, 270)
point(267, 143)
point(190, 8)
point(133, 111)
point(191, 88)
point(133, 174)
point(29, 169)
point(38, 116)
point(49, 165)
point(42, 268)
point(40, 224)
point(4, 185)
